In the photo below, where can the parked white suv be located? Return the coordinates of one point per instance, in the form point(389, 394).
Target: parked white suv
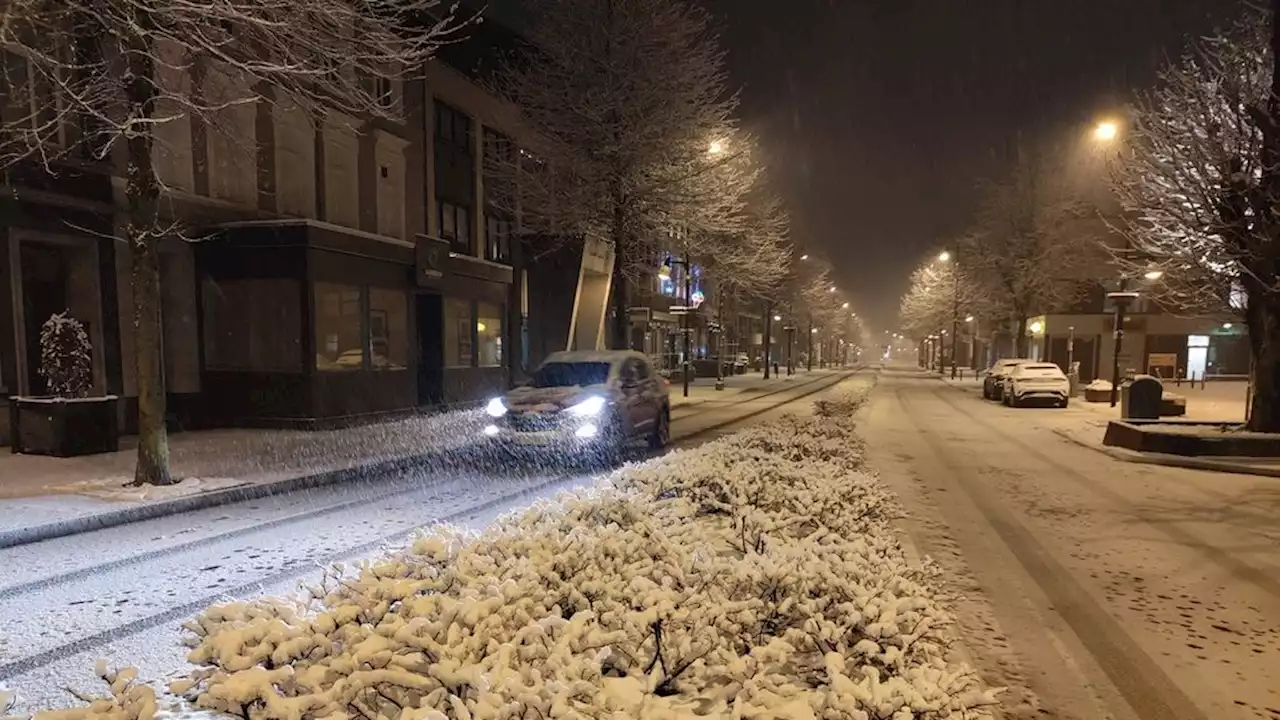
point(1036, 381)
point(600, 400)
point(993, 383)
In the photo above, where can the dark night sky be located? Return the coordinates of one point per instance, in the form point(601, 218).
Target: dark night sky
point(879, 115)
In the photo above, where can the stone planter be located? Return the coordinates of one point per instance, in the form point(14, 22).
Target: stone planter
point(62, 427)
point(1097, 396)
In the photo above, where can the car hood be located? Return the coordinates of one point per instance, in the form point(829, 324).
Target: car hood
point(531, 399)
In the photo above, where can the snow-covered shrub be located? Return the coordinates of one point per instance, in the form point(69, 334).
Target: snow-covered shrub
point(1099, 385)
point(65, 361)
point(755, 577)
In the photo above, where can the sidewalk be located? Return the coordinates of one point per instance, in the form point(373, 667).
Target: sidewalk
point(1085, 423)
point(42, 497)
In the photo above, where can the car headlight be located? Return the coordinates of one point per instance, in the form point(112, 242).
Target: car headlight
point(588, 408)
point(496, 408)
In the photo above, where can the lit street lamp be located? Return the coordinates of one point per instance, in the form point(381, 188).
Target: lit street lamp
point(1106, 131)
point(1154, 274)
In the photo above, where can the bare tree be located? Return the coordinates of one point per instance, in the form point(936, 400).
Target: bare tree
point(1029, 251)
point(634, 137)
point(927, 306)
point(107, 77)
point(1199, 180)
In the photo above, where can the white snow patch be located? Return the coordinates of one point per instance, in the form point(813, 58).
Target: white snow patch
point(120, 488)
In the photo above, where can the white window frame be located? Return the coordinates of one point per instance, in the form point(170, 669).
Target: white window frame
point(59, 138)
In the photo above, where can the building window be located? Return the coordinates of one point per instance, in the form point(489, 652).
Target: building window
point(455, 227)
point(457, 333)
point(489, 334)
point(497, 238)
point(252, 324)
point(388, 329)
point(37, 106)
point(453, 127)
point(339, 331)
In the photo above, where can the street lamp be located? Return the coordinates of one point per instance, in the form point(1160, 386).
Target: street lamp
point(944, 256)
point(846, 307)
point(716, 147)
point(1106, 131)
point(804, 257)
point(968, 318)
point(1154, 274)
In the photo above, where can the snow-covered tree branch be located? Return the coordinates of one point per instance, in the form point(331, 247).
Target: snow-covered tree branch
point(633, 130)
point(1199, 180)
point(1029, 250)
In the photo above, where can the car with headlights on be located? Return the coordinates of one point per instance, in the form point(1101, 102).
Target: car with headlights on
point(1030, 382)
point(585, 401)
point(993, 383)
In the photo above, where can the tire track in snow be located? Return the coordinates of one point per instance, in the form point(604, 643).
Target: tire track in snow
point(296, 568)
point(1148, 690)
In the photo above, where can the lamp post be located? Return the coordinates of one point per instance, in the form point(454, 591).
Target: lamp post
point(1122, 300)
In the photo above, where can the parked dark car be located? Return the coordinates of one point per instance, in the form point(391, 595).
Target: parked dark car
point(993, 383)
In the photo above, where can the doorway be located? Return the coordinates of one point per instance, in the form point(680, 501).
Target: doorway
point(45, 278)
point(430, 321)
point(1197, 355)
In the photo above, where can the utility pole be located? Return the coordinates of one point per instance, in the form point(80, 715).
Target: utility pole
point(808, 361)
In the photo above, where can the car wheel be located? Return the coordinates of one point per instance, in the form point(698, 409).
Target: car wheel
point(661, 435)
point(1064, 402)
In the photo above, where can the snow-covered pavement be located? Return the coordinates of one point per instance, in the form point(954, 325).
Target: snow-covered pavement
point(1094, 588)
point(121, 593)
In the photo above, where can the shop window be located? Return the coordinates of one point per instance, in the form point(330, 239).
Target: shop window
point(489, 334)
point(339, 331)
point(252, 324)
point(457, 333)
point(388, 329)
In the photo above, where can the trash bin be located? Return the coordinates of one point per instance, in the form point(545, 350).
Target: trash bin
point(1140, 398)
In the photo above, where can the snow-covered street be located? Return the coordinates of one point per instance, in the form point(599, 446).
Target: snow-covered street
point(1094, 588)
point(121, 593)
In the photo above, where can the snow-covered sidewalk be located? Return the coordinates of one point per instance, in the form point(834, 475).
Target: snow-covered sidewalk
point(36, 489)
point(757, 576)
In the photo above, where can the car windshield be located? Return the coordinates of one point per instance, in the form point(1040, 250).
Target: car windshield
point(571, 374)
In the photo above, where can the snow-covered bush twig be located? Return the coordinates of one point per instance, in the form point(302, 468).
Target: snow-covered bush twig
point(65, 356)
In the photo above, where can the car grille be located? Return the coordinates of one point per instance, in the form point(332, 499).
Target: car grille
point(532, 422)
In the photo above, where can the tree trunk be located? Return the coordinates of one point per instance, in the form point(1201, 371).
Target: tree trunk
point(142, 195)
point(620, 332)
point(1264, 346)
point(1020, 339)
point(768, 338)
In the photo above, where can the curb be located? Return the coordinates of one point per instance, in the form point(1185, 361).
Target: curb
point(215, 498)
point(1165, 460)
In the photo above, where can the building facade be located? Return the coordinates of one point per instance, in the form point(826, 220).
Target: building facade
point(332, 270)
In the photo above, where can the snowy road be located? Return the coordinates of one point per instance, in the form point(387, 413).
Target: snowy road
point(122, 593)
point(1094, 588)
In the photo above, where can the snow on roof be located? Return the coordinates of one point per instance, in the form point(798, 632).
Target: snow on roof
point(598, 356)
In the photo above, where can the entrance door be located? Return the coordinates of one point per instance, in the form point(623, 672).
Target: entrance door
point(430, 318)
point(44, 293)
point(1197, 355)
